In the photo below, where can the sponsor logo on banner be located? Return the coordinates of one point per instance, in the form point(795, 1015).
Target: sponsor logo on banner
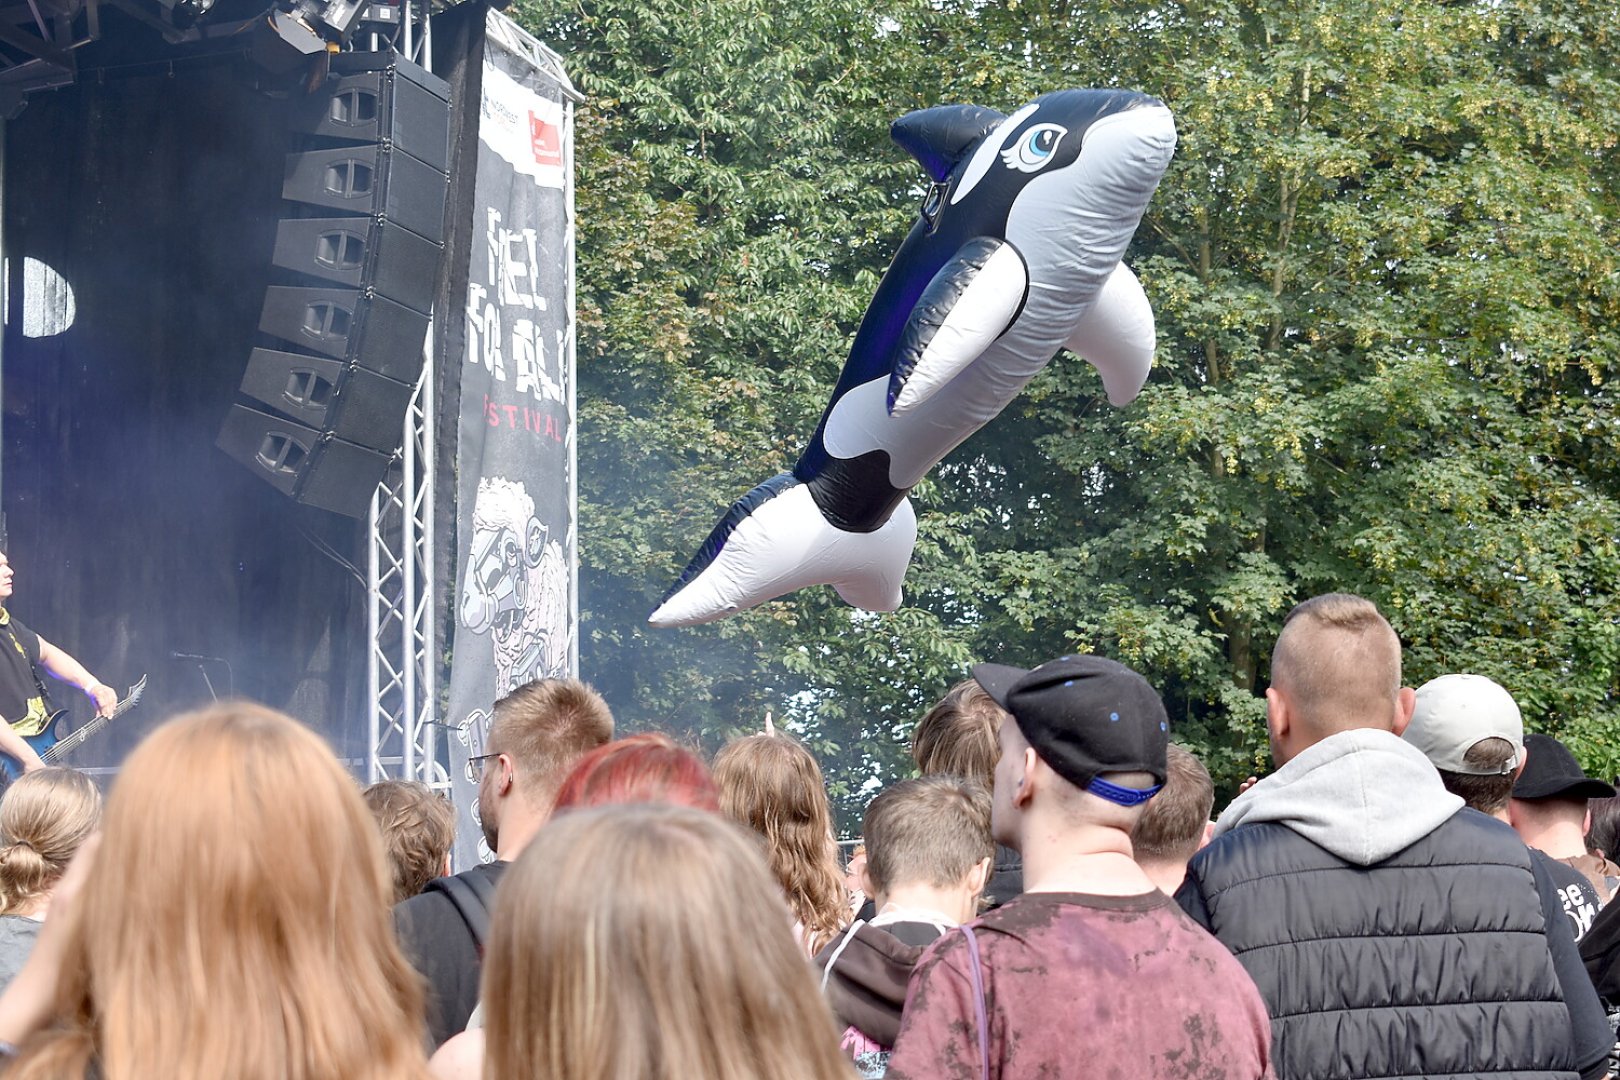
point(547, 142)
point(526, 131)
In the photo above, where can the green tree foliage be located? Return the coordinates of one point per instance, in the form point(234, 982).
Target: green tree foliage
point(1384, 275)
point(1383, 267)
point(1385, 284)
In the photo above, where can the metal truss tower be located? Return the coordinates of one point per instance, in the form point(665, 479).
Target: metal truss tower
point(402, 662)
point(402, 659)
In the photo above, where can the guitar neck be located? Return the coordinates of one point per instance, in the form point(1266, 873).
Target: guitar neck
point(73, 741)
point(77, 738)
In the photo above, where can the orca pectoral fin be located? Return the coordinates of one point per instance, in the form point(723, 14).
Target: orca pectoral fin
point(1117, 336)
point(781, 542)
point(968, 304)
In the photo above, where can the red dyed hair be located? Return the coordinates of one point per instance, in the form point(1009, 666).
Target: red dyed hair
point(647, 768)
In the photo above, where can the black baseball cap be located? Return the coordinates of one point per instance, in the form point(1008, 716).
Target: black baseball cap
point(1084, 716)
point(1551, 772)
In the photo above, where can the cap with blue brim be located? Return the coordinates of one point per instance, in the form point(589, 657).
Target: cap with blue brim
point(1086, 716)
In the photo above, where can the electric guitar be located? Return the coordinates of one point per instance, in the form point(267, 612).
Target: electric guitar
point(52, 749)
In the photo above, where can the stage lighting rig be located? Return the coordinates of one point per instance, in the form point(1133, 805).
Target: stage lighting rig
point(328, 20)
point(381, 17)
point(334, 16)
point(294, 30)
point(284, 42)
point(187, 13)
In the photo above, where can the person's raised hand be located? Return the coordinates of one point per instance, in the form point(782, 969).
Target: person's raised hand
point(105, 697)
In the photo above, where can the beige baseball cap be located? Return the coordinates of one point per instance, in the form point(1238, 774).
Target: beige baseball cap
point(1455, 712)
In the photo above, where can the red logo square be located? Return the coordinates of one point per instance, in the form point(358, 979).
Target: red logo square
point(546, 140)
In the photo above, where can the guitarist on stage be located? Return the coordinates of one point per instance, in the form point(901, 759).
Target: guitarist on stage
point(22, 693)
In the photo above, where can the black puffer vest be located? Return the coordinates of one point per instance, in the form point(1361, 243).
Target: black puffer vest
point(1432, 963)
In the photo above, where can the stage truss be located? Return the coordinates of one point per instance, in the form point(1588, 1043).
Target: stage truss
point(40, 39)
point(402, 665)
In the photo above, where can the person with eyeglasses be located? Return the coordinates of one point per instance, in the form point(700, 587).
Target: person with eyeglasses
point(536, 734)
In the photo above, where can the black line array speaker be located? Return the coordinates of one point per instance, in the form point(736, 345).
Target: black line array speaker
point(379, 180)
point(381, 98)
point(361, 327)
point(356, 263)
point(353, 404)
point(312, 466)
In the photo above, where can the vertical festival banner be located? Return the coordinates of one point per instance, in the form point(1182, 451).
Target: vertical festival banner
point(515, 607)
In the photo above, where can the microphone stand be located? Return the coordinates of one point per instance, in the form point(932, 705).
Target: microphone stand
point(202, 663)
point(202, 669)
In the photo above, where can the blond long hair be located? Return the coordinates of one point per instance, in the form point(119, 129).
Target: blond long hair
point(647, 942)
point(235, 922)
point(44, 817)
point(772, 785)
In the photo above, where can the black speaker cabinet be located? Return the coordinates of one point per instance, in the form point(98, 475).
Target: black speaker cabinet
point(348, 325)
point(373, 179)
point(314, 467)
point(373, 97)
point(358, 256)
point(359, 252)
point(356, 405)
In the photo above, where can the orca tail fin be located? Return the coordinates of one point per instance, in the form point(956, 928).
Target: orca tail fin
point(775, 540)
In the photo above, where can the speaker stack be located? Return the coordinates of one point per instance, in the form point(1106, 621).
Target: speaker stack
point(356, 260)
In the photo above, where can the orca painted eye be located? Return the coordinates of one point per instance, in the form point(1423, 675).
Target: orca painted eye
point(1034, 149)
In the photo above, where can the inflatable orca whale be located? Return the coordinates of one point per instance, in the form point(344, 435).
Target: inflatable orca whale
point(1015, 255)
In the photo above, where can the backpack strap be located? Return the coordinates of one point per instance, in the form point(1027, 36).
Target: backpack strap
point(472, 895)
point(976, 975)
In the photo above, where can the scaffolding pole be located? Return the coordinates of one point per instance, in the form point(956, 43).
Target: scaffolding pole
point(401, 665)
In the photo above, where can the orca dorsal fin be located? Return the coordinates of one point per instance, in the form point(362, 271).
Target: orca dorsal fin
point(938, 137)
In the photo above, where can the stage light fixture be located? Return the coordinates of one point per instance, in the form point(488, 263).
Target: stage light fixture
point(381, 17)
point(283, 43)
point(187, 13)
point(336, 15)
point(295, 30)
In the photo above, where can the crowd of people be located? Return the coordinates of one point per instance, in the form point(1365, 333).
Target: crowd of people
point(1418, 889)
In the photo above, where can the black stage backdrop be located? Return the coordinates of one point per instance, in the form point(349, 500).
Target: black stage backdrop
point(154, 188)
point(156, 197)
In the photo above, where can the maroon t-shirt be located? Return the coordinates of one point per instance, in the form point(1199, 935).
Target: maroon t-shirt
point(1076, 985)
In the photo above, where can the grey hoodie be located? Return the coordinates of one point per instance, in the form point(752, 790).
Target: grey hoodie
point(1363, 795)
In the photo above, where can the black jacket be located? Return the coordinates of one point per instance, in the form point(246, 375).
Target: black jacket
point(1600, 949)
point(1437, 961)
point(439, 943)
